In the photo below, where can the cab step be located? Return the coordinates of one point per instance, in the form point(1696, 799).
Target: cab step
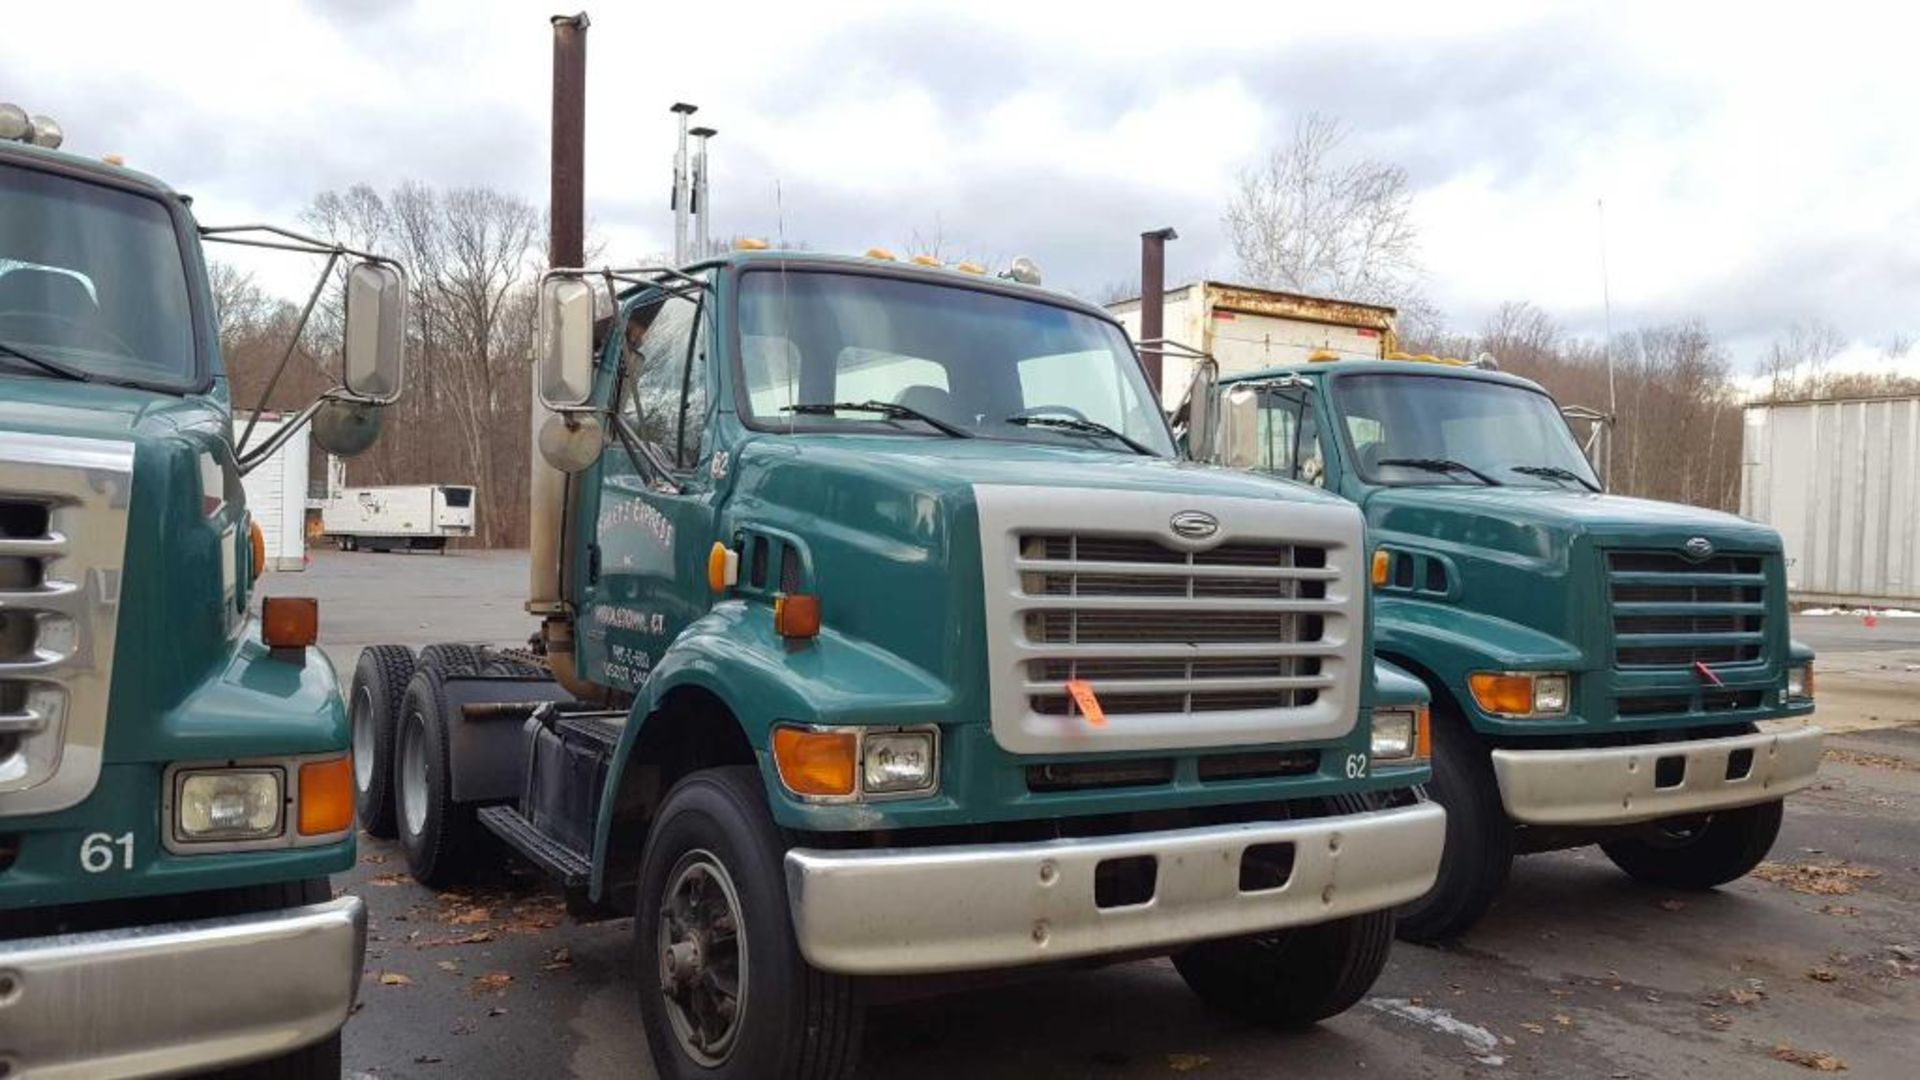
point(568, 867)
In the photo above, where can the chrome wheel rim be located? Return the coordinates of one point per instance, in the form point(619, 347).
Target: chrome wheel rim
point(363, 739)
point(413, 774)
point(703, 957)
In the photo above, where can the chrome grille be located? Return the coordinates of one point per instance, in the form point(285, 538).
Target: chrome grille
point(63, 507)
point(1184, 599)
point(1672, 611)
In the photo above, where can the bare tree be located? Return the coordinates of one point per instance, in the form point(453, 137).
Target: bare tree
point(240, 307)
point(1310, 219)
point(1796, 362)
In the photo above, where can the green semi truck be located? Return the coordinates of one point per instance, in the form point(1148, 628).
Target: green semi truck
point(175, 784)
point(884, 636)
point(1598, 664)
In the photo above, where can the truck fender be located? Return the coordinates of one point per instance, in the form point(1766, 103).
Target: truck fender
point(733, 654)
point(1452, 642)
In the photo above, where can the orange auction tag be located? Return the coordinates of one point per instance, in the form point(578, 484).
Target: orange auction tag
point(1089, 704)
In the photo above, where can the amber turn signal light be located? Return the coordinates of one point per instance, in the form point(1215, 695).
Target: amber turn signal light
point(257, 545)
point(1382, 562)
point(326, 796)
point(1423, 734)
point(815, 762)
point(290, 622)
point(1502, 695)
point(796, 615)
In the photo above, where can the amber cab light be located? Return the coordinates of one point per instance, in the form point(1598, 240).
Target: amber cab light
point(817, 763)
point(796, 615)
point(326, 796)
point(290, 622)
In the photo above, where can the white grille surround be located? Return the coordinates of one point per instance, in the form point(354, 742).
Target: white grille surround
point(63, 531)
point(1249, 636)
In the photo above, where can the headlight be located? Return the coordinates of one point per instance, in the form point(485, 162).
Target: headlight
point(897, 762)
point(1399, 735)
point(1522, 694)
point(1800, 682)
point(228, 805)
point(849, 764)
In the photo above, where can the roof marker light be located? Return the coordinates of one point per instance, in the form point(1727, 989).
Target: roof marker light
point(925, 260)
point(879, 253)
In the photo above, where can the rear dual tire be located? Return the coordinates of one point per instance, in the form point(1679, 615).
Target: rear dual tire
point(373, 708)
point(442, 838)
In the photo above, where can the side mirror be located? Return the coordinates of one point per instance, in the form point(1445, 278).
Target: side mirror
point(1202, 410)
point(563, 331)
point(346, 428)
point(1239, 439)
point(376, 335)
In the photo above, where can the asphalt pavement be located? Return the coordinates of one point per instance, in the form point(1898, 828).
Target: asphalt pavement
point(1811, 965)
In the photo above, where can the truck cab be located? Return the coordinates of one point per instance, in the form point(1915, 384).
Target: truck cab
point(1597, 663)
point(175, 783)
point(884, 636)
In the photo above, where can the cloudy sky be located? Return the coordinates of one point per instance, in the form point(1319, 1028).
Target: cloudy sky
point(1758, 166)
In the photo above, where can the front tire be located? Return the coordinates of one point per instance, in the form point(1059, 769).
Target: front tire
point(1699, 852)
point(724, 991)
point(379, 692)
point(1293, 978)
point(440, 836)
point(1479, 842)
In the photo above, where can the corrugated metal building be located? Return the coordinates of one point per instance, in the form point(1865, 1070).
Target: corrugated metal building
point(1841, 481)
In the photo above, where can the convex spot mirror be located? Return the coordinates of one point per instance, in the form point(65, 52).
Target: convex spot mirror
point(1239, 420)
point(572, 441)
point(376, 334)
point(564, 343)
point(346, 428)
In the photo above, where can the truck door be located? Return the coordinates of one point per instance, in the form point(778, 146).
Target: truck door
point(652, 501)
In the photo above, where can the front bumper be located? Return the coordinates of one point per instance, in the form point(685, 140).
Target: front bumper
point(179, 997)
point(898, 911)
point(1620, 785)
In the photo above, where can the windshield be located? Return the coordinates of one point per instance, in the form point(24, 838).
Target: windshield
point(1504, 433)
point(974, 363)
point(92, 280)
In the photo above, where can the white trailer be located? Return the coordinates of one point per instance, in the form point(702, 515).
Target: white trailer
point(277, 492)
point(1841, 481)
point(1247, 329)
point(398, 518)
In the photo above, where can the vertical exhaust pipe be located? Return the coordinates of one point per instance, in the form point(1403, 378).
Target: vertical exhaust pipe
point(682, 193)
point(702, 198)
point(1153, 300)
point(547, 554)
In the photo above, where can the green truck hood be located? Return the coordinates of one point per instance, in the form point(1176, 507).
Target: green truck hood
point(1545, 524)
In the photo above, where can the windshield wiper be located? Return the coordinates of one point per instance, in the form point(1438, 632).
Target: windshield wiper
point(1555, 472)
point(888, 409)
point(1442, 465)
point(1082, 427)
point(51, 367)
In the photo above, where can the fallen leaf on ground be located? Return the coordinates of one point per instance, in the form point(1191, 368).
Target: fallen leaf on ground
point(1820, 974)
point(1817, 1060)
point(447, 965)
point(1719, 1020)
point(1816, 879)
point(1563, 1020)
point(1673, 905)
point(493, 982)
point(1871, 761)
point(559, 958)
point(1843, 911)
point(470, 917)
point(1744, 997)
point(394, 978)
point(1537, 1029)
point(387, 881)
point(1186, 1062)
point(373, 859)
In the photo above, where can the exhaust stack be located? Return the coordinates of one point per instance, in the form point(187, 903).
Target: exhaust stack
point(1153, 300)
point(682, 186)
point(566, 240)
point(702, 198)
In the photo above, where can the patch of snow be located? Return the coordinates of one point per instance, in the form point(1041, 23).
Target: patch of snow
point(1480, 1042)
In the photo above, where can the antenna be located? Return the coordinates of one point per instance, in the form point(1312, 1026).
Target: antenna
point(1606, 306)
point(779, 214)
